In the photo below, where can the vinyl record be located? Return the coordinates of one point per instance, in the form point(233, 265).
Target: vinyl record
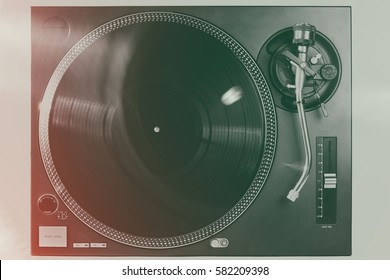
point(157, 130)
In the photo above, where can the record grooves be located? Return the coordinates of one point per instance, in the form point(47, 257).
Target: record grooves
point(154, 131)
point(154, 158)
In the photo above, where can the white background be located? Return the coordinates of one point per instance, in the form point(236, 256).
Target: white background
point(371, 121)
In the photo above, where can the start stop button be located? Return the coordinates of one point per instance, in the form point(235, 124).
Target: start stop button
point(48, 204)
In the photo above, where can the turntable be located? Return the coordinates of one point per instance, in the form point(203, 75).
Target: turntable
point(170, 131)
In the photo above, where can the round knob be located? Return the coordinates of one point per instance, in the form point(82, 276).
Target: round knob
point(328, 72)
point(56, 30)
point(48, 204)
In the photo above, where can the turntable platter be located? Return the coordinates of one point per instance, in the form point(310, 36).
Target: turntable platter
point(138, 139)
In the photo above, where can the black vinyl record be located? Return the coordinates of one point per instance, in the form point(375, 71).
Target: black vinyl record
point(157, 130)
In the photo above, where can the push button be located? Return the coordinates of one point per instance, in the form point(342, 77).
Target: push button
point(219, 243)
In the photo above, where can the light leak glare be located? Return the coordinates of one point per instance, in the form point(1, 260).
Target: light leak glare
point(233, 95)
